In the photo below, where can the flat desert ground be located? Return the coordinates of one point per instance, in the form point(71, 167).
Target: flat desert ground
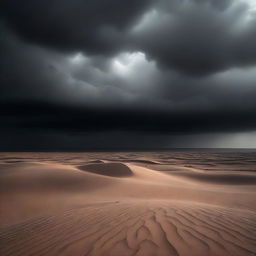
point(147, 204)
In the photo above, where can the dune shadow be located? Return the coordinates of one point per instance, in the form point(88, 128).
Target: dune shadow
point(231, 179)
point(108, 169)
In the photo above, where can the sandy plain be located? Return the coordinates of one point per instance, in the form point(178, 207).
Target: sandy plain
point(157, 203)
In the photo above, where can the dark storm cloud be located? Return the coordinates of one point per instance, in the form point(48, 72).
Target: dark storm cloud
point(45, 116)
point(44, 126)
point(125, 74)
point(199, 38)
point(25, 70)
point(93, 25)
point(30, 72)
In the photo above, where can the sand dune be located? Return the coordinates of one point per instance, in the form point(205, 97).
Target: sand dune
point(57, 205)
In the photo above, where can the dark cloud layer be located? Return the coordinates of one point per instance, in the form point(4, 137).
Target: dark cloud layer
point(198, 39)
point(124, 74)
point(45, 116)
point(55, 127)
point(94, 25)
point(194, 37)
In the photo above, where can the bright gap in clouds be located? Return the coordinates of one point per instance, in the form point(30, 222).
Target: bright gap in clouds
point(125, 63)
point(214, 140)
point(251, 12)
point(237, 140)
point(77, 59)
point(252, 4)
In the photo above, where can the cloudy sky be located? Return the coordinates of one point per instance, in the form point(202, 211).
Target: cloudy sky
point(137, 74)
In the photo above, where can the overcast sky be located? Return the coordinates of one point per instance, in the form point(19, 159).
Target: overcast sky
point(137, 74)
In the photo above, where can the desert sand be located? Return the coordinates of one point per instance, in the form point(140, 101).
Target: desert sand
point(167, 203)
